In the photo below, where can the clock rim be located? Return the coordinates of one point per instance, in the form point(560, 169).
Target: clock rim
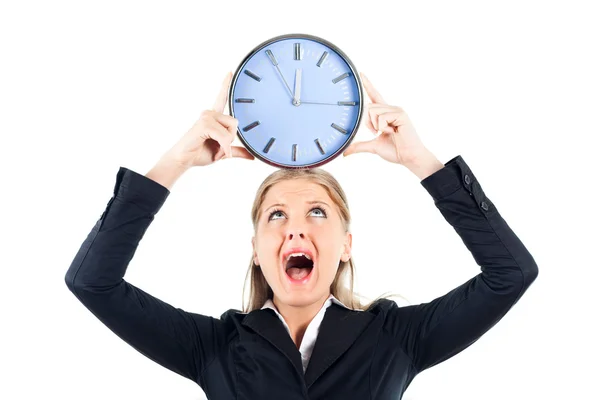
point(335, 48)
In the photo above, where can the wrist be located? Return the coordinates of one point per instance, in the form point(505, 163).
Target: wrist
point(424, 164)
point(167, 171)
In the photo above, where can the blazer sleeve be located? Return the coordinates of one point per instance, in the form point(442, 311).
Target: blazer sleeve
point(435, 331)
point(178, 340)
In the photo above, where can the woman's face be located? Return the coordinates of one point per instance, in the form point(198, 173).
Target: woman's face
point(299, 215)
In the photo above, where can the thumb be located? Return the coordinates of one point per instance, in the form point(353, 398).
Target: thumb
point(361, 147)
point(238, 151)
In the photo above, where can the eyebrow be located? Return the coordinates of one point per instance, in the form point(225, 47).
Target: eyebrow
point(308, 202)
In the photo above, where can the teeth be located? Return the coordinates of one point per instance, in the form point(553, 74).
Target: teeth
point(298, 255)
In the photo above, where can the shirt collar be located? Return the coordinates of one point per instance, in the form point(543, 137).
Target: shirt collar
point(331, 299)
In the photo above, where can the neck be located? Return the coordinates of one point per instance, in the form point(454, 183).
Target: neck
point(298, 317)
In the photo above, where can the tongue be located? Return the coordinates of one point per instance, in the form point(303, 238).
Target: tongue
point(298, 273)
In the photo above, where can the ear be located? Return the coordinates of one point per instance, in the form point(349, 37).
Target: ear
point(347, 248)
point(254, 255)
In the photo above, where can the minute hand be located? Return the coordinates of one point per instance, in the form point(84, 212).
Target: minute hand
point(275, 63)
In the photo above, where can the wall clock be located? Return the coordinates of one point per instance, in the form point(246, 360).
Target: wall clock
point(298, 100)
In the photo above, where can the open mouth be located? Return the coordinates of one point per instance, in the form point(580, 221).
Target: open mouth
point(298, 267)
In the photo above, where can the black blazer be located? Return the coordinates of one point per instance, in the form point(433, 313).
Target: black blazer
point(372, 354)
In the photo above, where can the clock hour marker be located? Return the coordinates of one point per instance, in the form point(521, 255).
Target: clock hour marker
point(339, 128)
point(319, 146)
point(251, 126)
point(296, 51)
point(294, 151)
point(339, 78)
point(347, 103)
point(322, 59)
point(268, 146)
point(271, 57)
point(252, 75)
point(244, 100)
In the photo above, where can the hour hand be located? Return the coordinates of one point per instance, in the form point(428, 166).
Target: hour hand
point(297, 87)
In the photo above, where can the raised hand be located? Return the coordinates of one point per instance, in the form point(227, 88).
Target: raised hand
point(209, 139)
point(398, 142)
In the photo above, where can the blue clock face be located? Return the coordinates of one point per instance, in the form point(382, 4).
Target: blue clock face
point(298, 101)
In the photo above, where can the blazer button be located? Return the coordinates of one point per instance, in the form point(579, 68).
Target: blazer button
point(467, 179)
point(484, 205)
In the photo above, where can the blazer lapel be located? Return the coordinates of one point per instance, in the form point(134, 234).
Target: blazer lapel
point(269, 326)
point(339, 329)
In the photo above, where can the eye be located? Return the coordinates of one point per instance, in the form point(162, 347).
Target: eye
point(273, 213)
point(323, 213)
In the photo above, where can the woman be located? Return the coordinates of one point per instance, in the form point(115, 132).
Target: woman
point(303, 335)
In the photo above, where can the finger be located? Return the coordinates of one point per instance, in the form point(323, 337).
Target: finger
point(229, 122)
point(383, 107)
point(371, 91)
point(237, 151)
point(369, 124)
point(390, 121)
point(219, 105)
point(373, 119)
point(361, 147)
point(376, 110)
point(241, 152)
point(217, 132)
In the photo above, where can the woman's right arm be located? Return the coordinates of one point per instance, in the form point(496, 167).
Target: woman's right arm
point(181, 341)
point(178, 340)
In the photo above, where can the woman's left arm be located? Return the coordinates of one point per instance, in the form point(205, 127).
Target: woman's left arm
point(432, 332)
point(435, 331)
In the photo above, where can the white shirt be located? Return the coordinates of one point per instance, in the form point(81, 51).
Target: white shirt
point(310, 336)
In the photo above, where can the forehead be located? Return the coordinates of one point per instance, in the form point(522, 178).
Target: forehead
point(296, 189)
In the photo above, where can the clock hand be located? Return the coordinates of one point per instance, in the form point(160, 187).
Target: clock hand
point(297, 87)
point(275, 63)
point(339, 103)
point(312, 102)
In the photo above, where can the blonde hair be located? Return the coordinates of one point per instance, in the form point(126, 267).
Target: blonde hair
point(260, 290)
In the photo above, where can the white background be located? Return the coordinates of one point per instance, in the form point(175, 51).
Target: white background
point(87, 87)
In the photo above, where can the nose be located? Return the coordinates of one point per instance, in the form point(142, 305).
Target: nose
point(296, 228)
point(295, 234)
